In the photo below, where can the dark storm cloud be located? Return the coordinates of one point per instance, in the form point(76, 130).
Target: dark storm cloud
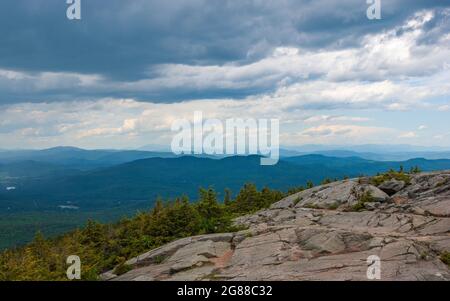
point(124, 41)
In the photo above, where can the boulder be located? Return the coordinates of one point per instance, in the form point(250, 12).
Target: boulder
point(392, 186)
point(376, 194)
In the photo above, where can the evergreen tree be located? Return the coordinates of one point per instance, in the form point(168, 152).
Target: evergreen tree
point(210, 211)
point(247, 200)
point(227, 198)
point(326, 181)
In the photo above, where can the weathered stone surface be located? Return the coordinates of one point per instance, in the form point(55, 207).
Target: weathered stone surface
point(107, 276)
point(314, 235)
point(376, 194)
point(392, 186)
point(325, 241)
point(194, 260)
point(159, 253)
point(331, 195)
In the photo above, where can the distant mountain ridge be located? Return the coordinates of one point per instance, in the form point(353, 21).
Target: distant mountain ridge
point(77, 158)
point(377, 156)
point(146, 179)
point(368, 148)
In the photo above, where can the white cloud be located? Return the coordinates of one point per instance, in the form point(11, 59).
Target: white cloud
point(381, 56)
point(36, 82)
point(125, 123)
point(338, 133)
point(343, 130)
point(444, 108)
point(335, 118)
point(128, 124)
point(408, 135)
point(353, 94)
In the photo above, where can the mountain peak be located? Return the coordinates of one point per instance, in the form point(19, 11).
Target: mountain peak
point(324, 233)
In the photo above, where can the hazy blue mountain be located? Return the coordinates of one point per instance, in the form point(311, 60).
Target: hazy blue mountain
point(368, 148)
point(155, 148)
point(144, 180)
point(290, 153)
point(317, 159)
point(76, 158)
point(382, 156)
point(369, 152)
point(168, 177)
point(79, 158)
point(387, 156)
point(357, 165)
point(32, 169)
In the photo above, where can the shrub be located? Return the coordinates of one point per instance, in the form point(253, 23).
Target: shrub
point(445, 258)
point(295, 190)
point(311, 206)
point(333, 206)
point(122, 269)
point(297, 200)
point(326, 181)
point(415, 170)
point(399, 176)
point(159, 259)
point(365, 198)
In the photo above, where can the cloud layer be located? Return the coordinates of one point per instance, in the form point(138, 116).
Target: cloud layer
point(128, 70)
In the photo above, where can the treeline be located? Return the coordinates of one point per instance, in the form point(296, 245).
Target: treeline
point(104, 246)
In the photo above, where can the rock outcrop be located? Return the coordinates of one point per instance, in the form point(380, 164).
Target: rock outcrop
point(392, 186)
point(317, 234)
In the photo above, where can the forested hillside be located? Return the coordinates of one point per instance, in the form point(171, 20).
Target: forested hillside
point(104, 246)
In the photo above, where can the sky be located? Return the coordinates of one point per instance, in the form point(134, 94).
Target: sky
point(120, 76)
